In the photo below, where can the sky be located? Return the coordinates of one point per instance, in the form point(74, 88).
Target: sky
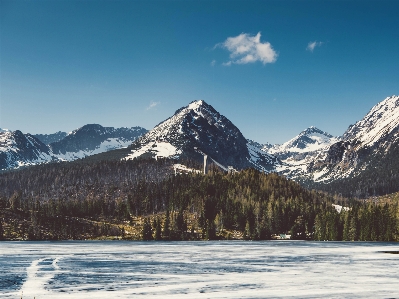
point(273, 68)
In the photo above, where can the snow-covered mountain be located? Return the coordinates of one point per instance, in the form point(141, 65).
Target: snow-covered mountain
point(376, 132)
point(310, 140)
point(18, 149)
point(298, 152)
point(200, 126)
point(93, 139)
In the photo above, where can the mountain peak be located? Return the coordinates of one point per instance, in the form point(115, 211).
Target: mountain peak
point(196, 104)
point(199, 125)
point(88, 128)
point(314, 130)
point(309, 140)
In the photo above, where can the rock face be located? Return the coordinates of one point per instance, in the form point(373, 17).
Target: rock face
point(200, 126)
point(18, 149)
point(50, 138)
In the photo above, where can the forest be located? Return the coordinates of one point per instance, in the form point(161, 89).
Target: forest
point(146, 200)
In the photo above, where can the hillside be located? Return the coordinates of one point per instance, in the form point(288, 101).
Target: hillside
point(119, 198)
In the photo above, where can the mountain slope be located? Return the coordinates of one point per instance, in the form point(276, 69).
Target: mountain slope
point(375, 134)
point(200, 126)
point(18, 149)
point(50, 138)
point(297, 153)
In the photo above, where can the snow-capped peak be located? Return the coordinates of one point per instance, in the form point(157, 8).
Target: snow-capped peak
point(195, 104)
point(310, 139)
point(198, 125)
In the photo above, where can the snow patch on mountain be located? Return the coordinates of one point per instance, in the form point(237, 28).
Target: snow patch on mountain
point(107, 145)
point(157, 149)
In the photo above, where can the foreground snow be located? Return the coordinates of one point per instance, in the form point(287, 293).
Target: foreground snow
point(198, 270)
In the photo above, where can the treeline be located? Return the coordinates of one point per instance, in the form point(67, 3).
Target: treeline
point(363, 222)
point(78, 201)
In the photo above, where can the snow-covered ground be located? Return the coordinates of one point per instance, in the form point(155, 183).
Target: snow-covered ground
point(231, 269)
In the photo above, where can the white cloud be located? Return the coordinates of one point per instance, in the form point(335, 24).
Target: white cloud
point(153, 105)
point(213, 62)
point(312, 45)
point(245, 48)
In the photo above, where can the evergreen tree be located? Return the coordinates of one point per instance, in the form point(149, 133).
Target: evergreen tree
point(166, 226)
point(1, 230)
point(147, 231)
point(158, 231)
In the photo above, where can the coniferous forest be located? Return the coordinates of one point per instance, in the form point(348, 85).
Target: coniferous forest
point(146, 200)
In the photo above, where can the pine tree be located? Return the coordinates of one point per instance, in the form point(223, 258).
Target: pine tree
point(158, 232)
point(147, 231)
point(166, 226)
point(1, 230)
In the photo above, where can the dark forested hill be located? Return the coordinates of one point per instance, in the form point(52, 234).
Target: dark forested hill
point(83, 200)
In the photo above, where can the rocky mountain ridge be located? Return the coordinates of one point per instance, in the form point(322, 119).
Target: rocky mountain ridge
point(375, 133)
point(18, 149)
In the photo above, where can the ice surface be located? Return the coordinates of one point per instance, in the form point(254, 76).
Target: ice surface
point(228, 269)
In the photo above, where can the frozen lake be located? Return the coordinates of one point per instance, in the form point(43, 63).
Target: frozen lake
point(228, 269)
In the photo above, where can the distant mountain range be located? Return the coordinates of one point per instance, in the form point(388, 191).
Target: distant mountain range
point(18, 149)
point(198, 129)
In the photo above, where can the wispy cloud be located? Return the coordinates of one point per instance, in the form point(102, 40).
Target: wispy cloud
point(213, 62)
point(153, 105)
point(245, 48)
point(312, 45)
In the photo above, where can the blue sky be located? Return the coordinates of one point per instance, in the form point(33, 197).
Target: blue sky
point(273, 68)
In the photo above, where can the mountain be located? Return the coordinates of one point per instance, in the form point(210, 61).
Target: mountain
point(297, 153)
point(50, 138)
point(376, 135)
point(363, 161)
point(196, 128)
point(18, 149)
point(310, 140)
point(93, 139)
